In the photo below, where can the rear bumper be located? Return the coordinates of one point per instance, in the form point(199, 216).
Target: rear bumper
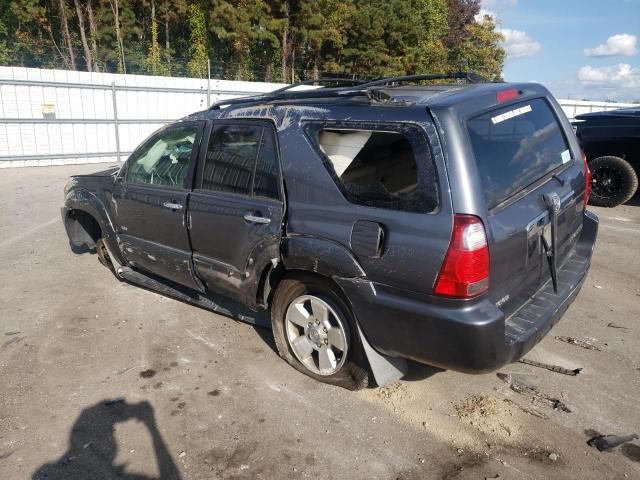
point(476, 337)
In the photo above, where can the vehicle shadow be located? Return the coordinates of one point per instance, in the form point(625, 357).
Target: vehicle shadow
point(419, 371)
point(93, 447)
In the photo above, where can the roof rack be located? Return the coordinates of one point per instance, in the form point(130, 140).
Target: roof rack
point(353, 88)
point(470, 77)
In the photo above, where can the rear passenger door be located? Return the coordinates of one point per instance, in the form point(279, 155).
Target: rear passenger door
point(150, 198)
point(236, 208)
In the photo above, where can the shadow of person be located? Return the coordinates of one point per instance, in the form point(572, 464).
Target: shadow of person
point(93, 448)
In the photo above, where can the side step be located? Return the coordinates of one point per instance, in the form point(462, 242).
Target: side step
point(218, 304)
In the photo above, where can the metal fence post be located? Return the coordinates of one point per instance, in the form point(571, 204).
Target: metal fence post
point(115, 118)
point(208, 83)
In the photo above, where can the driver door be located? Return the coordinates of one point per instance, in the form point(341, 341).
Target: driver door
point(151, 199)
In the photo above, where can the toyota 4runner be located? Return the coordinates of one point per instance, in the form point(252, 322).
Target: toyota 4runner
point(366, 222)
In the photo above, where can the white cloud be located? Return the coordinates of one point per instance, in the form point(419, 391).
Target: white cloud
point(618, 76)
point(498, 4)
point(622, 44)
point(483, 12)
point(519, 44)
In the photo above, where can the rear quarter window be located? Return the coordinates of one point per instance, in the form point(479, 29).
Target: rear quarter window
point(515, 146)
point(382, 168)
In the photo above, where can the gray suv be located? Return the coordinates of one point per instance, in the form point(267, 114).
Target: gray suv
point(366, 223)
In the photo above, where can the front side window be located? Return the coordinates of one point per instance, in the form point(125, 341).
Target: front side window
point(380, 168)
point(164, 160)
point(241, 159)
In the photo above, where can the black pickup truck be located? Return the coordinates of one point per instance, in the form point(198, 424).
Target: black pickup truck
point(611, 142)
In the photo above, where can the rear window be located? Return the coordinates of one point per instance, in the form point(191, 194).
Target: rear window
point(516, 145)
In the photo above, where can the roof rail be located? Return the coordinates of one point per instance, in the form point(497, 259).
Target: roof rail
point(353, 88)
point(470, 77)
point(320, 81)
point(286, 94)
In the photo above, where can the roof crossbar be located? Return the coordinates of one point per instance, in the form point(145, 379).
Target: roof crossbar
point(352, 88)
point(319, 81)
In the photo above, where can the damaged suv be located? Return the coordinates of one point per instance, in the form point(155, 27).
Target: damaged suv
point(366, 223)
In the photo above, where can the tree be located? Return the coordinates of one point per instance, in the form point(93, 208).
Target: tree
point(273, 40)
point(197, 66)
point(115, 8)
point(323, 33)
point(480, 50)
point(154, 55)
point(85, 44)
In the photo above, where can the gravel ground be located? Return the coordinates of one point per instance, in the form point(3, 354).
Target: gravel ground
point(101, 379)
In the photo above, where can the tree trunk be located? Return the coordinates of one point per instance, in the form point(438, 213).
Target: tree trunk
point(268, 76)
point(316, 66)
point(115, 8)
point(166, 26)
point(85, 45)
point(284, 53)
point(67, 36)
point(284, 48)
point(93, 34)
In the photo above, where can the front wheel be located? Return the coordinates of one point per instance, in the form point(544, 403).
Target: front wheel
point(614, 181)
point(315, 332)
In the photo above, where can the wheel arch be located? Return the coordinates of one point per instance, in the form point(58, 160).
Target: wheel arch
point(82, 228)
point(625, 150)
point(82, 200)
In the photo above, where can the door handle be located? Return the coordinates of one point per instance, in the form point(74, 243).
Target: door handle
point(253, 219)
point(172, 206)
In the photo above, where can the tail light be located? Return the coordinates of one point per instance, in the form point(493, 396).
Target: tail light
point(465, 271)
point(587, 179)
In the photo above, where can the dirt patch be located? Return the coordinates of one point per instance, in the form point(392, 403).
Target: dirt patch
point(476, 406)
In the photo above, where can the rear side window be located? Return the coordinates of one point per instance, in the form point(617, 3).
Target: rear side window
point(379, 168)
point(241, 159)
point(516, 145)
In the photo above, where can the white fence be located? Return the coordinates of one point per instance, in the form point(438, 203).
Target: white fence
point(572, 108)
point(56, 117)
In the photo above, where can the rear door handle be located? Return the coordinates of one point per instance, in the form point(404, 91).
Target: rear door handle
point(253, 219)
point(172, 206)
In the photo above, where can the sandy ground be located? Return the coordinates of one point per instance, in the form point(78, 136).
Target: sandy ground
point(100, 379)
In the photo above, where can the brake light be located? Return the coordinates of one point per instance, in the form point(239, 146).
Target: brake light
point(506, 95)
point(465, 271)
point(587, 180)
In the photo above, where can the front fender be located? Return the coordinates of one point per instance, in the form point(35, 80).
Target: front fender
point(81, 199)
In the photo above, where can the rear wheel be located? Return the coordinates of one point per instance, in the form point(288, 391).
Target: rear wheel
point(315, 332)
point(614, 181)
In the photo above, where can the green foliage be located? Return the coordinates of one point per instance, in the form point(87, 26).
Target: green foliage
point(155, 64)
point(197, 66)
point(270, 40)
point(480, 50)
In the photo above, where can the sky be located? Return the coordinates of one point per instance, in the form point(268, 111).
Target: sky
point(579, 49)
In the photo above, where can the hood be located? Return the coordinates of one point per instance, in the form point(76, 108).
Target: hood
point(112, 170)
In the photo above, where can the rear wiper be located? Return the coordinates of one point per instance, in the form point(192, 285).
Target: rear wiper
point(552, 202)
point(558, 179)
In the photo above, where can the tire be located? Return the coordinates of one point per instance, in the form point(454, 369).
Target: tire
point(103, 255)
point(614, 181)
point(329, 350)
